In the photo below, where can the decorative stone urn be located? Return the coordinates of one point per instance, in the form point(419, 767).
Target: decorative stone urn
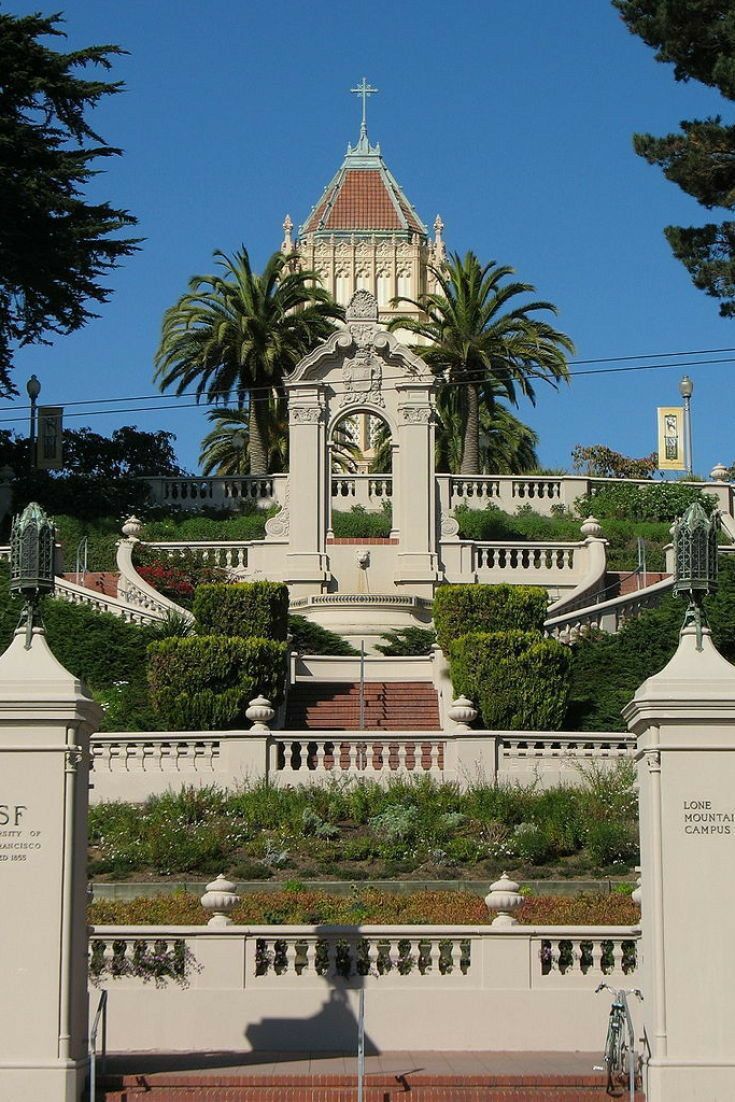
point(132, 528)
point(463, 713)
point(504, 898)
point(719, 473)
point(591, 527)
point(637, 894)
point(219, 898)
point(260, 713)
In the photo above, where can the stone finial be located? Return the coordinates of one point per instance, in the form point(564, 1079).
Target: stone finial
point(287, 245)
point(719, 473)
point(591, 527)
point(132, 528)
point(637, 894)
point(260, 713)
point(463, 713)
point(439, 247)
point(219, 898)
point(504, 898)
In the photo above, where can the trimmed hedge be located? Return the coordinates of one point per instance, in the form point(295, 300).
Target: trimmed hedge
point(518, 679)
point(459, 609)
point(246, 609)
point(361, 524)
point(206, 683)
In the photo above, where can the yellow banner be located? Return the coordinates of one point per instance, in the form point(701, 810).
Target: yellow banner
point(671, 439)
point(49, 445)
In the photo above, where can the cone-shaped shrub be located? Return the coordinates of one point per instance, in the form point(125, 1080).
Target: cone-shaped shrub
point(206, 683)
point(258, 609)
point(518, 680)
point(459, 609)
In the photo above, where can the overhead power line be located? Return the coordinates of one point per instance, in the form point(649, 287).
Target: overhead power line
point(264, 393)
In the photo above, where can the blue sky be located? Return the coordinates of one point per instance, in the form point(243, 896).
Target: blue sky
point(512, 120)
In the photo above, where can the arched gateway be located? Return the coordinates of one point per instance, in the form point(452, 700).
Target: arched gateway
point(360, 369)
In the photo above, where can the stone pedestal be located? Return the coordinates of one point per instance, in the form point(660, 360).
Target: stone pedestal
point(45, 723)
point(684, 719)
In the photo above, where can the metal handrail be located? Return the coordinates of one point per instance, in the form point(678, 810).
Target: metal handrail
point(99, 1018)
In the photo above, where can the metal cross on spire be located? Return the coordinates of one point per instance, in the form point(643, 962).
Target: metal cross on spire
point(364, 89)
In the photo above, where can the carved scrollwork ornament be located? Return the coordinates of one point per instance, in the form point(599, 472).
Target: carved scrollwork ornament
point(362, 378)
point(279, 524)
point(417, 415)
point(306, 415)
point(362, 307)
point(449, 525)
point(653, 760)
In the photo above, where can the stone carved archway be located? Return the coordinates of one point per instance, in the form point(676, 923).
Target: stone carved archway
point(361, 368)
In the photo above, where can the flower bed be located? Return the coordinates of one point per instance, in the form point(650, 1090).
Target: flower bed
point(302, 906)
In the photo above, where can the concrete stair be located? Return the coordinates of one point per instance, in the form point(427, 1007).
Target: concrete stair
point(389, 706)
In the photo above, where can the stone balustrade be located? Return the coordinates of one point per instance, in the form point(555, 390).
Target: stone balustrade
point(228, 555)
point(366, 490)
point(544, 493)
point(250, 988)
point(220, 492)
point(606, 616)
point(130, 611)
point(135, 765)
point(543, 561)
point(318, 757)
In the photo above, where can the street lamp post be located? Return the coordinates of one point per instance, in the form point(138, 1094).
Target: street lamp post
point(686, 387)
point(34, 389)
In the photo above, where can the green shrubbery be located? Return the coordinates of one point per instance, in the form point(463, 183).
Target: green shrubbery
point(206, 683)
point(257, 609)
point(310, 638)
point(518, 680)
point(640, 649)
point(459, 609)
point(407, 642)
point(359, 523)
point(658, 501)
point(247, 524)
point(372, 831)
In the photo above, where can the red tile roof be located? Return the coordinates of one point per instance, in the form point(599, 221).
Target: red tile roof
point(363, 196)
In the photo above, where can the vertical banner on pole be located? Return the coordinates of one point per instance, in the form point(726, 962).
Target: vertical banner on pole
point(671, 456)
point(50, 442)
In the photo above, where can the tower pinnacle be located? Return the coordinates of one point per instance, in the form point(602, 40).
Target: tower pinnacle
point(364, 89)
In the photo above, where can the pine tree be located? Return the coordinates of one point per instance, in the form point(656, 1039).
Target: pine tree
point(698, 38)
point(54, 244)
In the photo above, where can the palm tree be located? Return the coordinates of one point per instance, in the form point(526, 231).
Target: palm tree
point(473, 340)
point(239, 334)
point(506, 446)
point(225, 450)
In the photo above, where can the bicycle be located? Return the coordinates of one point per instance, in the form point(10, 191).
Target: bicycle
point(621, 1062)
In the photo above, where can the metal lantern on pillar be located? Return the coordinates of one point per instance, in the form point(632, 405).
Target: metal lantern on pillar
point(695, 560)
point(32, 540)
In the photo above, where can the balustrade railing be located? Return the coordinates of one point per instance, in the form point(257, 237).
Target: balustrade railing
point(608, 616)
point(154, 754)
point(368, 491)
point(229, 555)
point(554, 558)
point(302, 759)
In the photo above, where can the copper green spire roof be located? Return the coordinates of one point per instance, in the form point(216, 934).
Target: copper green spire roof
point(363, 198)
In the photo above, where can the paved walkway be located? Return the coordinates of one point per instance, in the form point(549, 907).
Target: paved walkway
point(387, 1063)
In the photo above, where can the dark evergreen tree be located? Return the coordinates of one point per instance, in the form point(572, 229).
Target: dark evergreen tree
point(54, 244)
point(698, 38)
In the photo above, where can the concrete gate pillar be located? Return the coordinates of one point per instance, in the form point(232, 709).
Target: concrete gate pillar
point(45, 723)
point(684, 719)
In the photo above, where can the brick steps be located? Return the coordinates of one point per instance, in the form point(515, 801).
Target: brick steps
point(389, 706)
point(342, 1088)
